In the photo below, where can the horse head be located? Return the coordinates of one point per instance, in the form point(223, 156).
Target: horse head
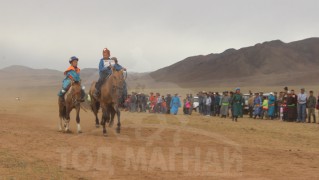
point(76, 90)
point(117, 84)
point(118, 77)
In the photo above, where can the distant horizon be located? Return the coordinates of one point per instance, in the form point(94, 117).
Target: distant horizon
point(82, 68)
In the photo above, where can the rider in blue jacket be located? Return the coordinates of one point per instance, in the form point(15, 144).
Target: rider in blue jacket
point(105, 70)
point(71, 74)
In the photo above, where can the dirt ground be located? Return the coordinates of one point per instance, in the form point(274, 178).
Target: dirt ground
point(150, 146)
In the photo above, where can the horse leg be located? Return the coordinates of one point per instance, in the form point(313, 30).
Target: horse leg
point(112, 112)
point(118, 113)
point(95, 108)
point(67, 120)
point(97, 122)
point(67, 125)
point(104, 117)
point(60, 125)
point(78, 119)
point(61, 114)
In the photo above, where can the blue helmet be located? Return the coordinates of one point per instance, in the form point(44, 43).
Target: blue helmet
point(73, 58)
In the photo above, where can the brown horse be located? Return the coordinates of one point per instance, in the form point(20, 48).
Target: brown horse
point(95, 107)
point(109, 100)
point(72, 101)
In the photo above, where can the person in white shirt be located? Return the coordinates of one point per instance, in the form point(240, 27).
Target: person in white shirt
point(302, 101)
point(208, 104)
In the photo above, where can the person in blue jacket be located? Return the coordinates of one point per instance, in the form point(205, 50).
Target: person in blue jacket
point(105, 70)
point(271, 105)
point(175, 104)
point(71, 74)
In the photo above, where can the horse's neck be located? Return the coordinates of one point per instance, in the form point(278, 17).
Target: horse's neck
point(69, 91)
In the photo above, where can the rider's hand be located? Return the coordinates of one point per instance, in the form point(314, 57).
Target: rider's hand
point(124, 69)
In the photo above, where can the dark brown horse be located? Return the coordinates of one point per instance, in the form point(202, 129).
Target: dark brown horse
point(95, 107)
point(109, 100)
point(72, 101)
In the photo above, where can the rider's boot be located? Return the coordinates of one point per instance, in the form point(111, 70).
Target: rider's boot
point(61, 95)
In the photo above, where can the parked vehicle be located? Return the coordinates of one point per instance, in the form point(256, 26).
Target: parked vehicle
point(196, 104)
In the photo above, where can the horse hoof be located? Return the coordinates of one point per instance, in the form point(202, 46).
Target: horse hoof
point(118, 130)
point(97, 125)
point(79, 132)
point(105, 134)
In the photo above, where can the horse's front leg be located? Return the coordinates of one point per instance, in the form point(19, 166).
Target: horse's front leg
point(118, 113)
point(112, 112)
point(67, 120)
point(78, 119)
point(60, 125)
point(104, 118)
point(95, 108)
point(97, 122)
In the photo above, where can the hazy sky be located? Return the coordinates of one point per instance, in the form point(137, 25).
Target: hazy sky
point(144, 35)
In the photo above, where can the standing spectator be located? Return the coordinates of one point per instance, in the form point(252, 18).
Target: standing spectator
point(127, 103)
point(276, 114)
point(251, 105)
point(184, 106)
point(296, 102)
point(191, 100)
point(302, 102)
point(175, 104)
point(158, 103)
point(271, 106)
point(217, 104)
point(200, 102)
point(231, 97)
point(133, 102)
point(311, 104)
point(291, 107)
point(237, 104)
point(224, 105)
point(261, 94)
point(151, 100)
point(265, 108)
point(279, 105)
point(284, 104)
point(212, 106)
point(204, 103)
point(144, 102)
point(163, 106)
point(187, 107)
point(208, 104)
point(257, 106)
point(168, 100)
